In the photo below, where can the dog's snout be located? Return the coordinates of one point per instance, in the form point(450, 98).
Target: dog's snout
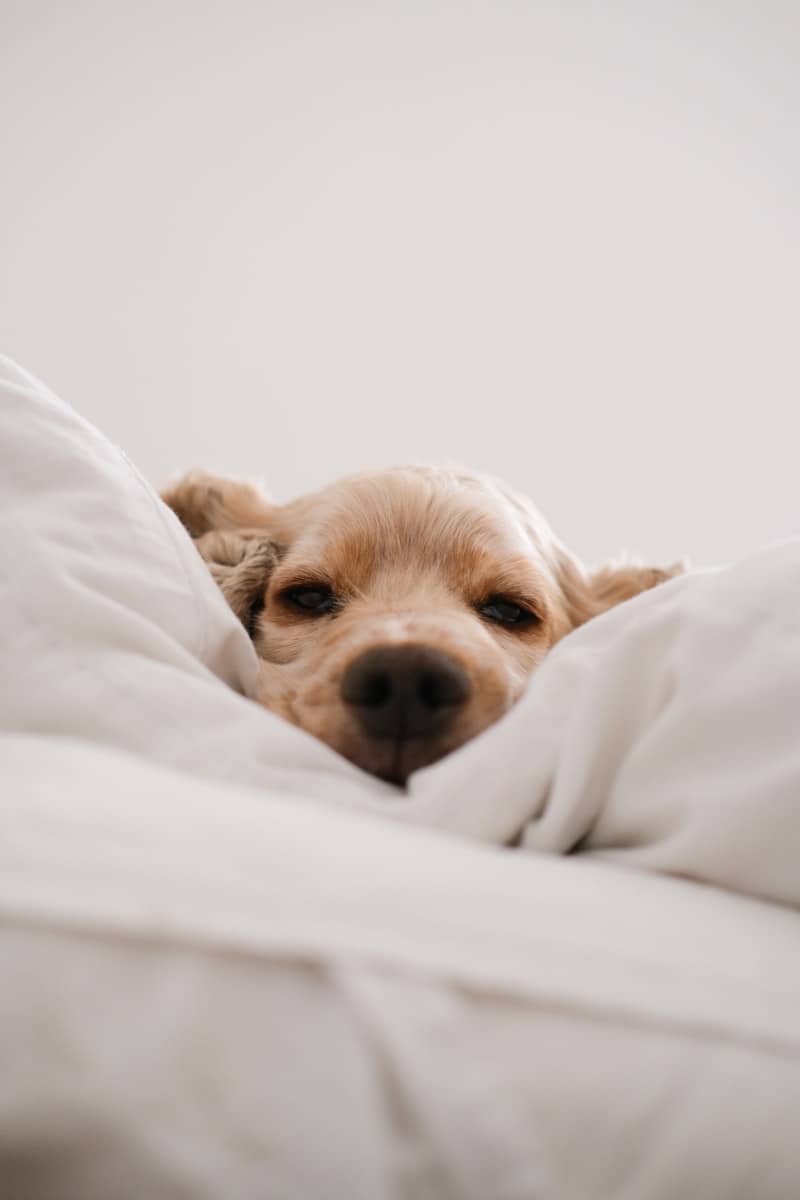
point(405, 691)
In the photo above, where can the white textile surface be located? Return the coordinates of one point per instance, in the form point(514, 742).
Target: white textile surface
point(227, 973)
point(664, 735)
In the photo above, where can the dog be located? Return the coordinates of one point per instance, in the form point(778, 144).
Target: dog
point(398, 613)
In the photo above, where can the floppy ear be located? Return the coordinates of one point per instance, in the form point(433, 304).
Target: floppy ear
point(615, 582)
point(587, 594)
point(241, 563)
point(204, 502)
point(229, 522)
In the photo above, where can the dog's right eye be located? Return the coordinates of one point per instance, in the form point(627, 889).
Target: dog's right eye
point(502, 611)
point(315, 599)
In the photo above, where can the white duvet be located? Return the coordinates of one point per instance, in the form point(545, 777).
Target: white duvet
point(228, 972)
point(664, 736)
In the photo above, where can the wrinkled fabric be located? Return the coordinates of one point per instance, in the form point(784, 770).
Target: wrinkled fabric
point(664, 735)
point(235, 965)
point(209, 990)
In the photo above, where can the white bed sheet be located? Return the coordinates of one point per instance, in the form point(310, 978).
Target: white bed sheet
point(230, 974)
point(222, 992)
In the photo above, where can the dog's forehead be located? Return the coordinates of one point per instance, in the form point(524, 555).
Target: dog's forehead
point(425, 518)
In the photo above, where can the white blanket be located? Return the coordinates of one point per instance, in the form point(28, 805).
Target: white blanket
point(228, 972)
point(664, 735)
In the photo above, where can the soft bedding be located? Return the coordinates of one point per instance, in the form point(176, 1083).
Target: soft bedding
point(663, 735)
point(229, 971)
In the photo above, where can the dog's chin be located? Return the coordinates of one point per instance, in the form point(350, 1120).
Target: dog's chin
point(394, 761)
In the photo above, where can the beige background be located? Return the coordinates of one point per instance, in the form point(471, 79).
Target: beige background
point(560, 242)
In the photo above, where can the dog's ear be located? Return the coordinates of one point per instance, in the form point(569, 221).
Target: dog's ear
point(584, 594)
point(204, 502)
point(587, 594)
point(615, 582)
point(230, 522)
point(241, 562)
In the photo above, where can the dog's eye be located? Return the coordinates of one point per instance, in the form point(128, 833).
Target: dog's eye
point(507, 612)
point(312, 598)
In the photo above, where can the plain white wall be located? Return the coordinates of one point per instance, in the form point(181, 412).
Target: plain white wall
point(556, 241)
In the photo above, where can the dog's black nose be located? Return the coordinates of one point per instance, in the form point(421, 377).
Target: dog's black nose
point(405, 691)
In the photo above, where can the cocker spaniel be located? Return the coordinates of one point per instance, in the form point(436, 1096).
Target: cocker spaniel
point(397, 613)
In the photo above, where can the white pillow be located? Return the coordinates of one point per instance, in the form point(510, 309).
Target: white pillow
point(113, 630)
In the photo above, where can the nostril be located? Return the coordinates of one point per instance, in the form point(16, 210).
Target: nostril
point(376, 689)
point(435, 689)
point(429, 689)
point(367, 685)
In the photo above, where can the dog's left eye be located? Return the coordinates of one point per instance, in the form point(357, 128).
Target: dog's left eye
point(313, 598)
point(506, 612)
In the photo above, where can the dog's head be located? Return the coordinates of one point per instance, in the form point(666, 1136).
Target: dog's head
point(400, 612)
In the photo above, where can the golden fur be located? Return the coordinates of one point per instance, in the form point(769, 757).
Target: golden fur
point(409, 556)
